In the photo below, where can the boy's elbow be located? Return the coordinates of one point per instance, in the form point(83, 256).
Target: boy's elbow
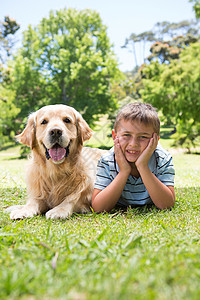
point(163, 206)
point(95, 209)
point(169, 201)
point(98, 209)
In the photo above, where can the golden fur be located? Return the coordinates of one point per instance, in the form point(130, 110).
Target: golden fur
point(58, 183)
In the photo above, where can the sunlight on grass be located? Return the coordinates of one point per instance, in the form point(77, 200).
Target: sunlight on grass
point(187, 170)
point(141, 253)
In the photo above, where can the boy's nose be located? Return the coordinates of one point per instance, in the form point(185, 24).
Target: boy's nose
point(133, 141)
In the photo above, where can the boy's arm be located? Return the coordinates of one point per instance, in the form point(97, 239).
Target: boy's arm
point(162, 196)
point(106, 199)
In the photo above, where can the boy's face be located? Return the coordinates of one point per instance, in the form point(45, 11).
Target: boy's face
point(133, 138)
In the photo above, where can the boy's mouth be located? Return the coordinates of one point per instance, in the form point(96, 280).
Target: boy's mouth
point(132, 152)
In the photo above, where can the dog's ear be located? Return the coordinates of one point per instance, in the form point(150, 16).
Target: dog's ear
point(84, 131)
point(27, 137)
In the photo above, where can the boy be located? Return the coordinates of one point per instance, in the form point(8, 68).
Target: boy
point(137, 171)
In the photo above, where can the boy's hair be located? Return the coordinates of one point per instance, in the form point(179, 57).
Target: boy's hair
point(142, 112)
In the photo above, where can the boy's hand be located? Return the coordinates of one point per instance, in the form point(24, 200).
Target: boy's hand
point(123, 164)
point(144, 158)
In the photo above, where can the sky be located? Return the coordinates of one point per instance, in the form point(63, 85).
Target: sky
point(122, 17)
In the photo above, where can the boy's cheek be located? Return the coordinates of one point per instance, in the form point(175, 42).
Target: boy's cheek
point(146, 145)
point(122, 139)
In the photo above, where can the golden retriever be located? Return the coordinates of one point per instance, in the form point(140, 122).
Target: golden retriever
point(61, 172)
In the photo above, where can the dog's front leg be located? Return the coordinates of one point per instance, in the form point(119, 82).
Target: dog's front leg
point(26, 211)
point(62, 211)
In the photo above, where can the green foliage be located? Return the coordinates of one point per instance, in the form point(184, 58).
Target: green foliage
point(174, 89)
point(196, 7)
point(8, 109)
point(8, 112)
point(141, 253)
point(167, 50)
point(8, 28)
point(66, 59)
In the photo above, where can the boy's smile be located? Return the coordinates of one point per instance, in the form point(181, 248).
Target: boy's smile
point(133, 138)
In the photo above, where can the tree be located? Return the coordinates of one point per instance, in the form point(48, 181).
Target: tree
point(169, 39)
point(132, 40)
point(147, 36)
point(8, 110)
point(66, 59)
point(167, 50)
point(174, 89)
point(8, 28)
point(196, 7)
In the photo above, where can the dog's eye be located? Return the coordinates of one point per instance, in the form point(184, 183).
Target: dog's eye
point(44, 122)
point(67, 120)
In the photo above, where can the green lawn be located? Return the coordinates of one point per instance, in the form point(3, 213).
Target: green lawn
point(137, 254)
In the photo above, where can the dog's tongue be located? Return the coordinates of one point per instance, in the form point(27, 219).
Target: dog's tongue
point(57, 153)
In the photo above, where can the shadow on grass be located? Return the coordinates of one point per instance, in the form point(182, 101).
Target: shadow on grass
point(193, 152)
point(166, 134)
point(14, 158)
point(103, 147)
point(10, 146)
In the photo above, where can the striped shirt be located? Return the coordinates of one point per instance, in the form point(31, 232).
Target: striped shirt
point(135, 192)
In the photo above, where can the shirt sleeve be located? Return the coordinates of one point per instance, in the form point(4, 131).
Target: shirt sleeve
point(103, 178)
point(166, 171)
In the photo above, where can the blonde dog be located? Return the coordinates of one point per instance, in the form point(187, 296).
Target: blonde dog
point(61, 172)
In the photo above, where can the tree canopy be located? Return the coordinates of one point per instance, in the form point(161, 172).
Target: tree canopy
point(169, 77)
point(174, 89)
point(66, 59)
point(8, 28)
point(166, 40)
point(8, 110)
point(196, 7)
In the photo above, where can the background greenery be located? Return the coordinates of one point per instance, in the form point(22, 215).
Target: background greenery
point(68, 58)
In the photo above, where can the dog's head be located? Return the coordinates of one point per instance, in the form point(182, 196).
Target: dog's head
point(56, 131)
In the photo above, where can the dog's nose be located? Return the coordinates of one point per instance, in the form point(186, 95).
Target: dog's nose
point(55, 132)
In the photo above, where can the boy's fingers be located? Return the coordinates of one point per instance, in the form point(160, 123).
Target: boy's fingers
point(155, 137)
point(153, 142)
point(116, 144)
point(116, 140)
point(118, 148)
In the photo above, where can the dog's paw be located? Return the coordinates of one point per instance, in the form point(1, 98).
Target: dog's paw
point(20, 213)
point(58, 213)
point(9, 209)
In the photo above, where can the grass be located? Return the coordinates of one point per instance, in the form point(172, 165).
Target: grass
point(135, 254)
